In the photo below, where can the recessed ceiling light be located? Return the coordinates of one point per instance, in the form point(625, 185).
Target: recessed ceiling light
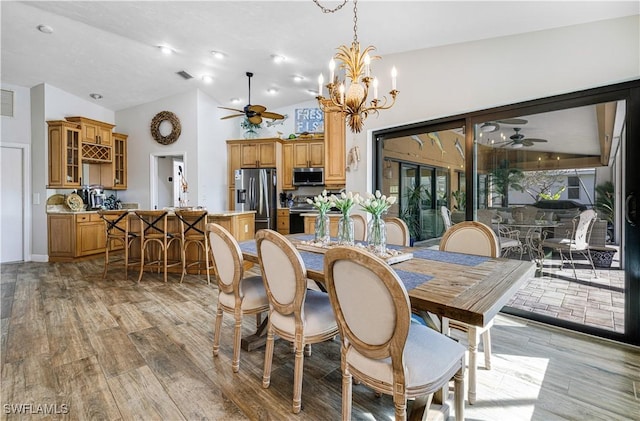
point(45, 29)
point(277, 58)
point(272, 91)
point(165, 50)
point(207, 79)
point(217, 54)
point(298, 78)
point(235, 100)
point(95, 96)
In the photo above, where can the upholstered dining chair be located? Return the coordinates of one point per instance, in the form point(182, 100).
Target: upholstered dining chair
point(577, 241)
point(397, 231)
point(296, 314)
point(380, 346)
point(237, 295)
point(471, 237)
point(359, 227)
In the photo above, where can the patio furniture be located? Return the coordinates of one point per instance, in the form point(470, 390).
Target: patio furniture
point(577, 242)
point(446, 217)
point(381, 348)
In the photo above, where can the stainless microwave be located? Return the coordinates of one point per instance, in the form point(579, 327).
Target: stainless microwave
point(308, 176)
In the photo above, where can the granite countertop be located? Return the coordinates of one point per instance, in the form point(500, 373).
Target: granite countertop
point(65, 209)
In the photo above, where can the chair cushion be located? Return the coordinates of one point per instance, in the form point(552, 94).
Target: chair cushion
point(255, 295)
point(430, 360)
point(318, 316)
point(508, 242)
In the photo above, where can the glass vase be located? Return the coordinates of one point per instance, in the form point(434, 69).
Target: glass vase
point(250, 134)
point(346, 230)
point(322, 229)
point(377, 234)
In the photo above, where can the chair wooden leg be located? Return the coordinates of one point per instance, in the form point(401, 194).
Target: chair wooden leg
point(458, 384)
point(237, 337)
point(142, 259)
point(297, 378)
point(216, 333)
point(183, 253)
point(106, 260)
point(268, 357)
point(346, 394)
point(400, 406)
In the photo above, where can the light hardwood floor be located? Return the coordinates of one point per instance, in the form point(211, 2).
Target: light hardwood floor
point(117, 350)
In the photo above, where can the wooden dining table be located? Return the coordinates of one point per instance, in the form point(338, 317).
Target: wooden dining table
point(467, 288)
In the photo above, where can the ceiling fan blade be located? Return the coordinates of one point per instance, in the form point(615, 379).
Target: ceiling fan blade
point(273, 116)
point(513, 121)
point(232, 109)
point(256, 119)
point(536, 140)
point(526, 142)
point(231, 116)
point(257, 108)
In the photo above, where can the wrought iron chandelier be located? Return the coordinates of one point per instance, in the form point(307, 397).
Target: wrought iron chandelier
point(352, 99)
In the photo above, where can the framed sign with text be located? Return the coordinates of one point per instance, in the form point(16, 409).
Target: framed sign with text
point(310, 120)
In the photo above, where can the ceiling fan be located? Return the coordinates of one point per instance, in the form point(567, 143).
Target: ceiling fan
point(494, 126)
point(517, 140)
point(253, 113)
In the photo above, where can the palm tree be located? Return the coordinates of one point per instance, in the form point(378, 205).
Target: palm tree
point(504, 178)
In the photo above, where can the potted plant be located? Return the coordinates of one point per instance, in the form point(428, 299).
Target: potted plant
point(411, 211)
point(458, 213)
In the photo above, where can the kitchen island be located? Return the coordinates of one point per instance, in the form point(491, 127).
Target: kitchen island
point(310, 222)
point(79, 235)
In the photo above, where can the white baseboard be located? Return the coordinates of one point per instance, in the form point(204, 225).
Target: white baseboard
point(40, 258)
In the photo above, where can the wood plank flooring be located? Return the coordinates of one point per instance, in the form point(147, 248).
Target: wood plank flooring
point(74, 347)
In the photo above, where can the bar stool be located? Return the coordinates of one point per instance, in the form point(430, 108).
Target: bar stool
point(117, 230)
point(193, 225)
point(153, 230)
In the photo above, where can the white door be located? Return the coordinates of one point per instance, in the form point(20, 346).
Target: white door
point(11, 205)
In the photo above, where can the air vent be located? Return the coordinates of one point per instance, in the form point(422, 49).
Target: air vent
point(7, 103)
point(185, 75)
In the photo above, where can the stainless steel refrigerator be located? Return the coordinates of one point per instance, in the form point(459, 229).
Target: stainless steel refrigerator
point(256, 190)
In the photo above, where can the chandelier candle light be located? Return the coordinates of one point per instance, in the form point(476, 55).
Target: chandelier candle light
point(352, 101)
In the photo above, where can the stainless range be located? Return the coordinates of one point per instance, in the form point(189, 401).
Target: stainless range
point(296, 221)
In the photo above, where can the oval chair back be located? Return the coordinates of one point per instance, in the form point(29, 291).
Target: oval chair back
point(471, 237)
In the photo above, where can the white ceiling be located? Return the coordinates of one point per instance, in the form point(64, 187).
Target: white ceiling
point(110, 47)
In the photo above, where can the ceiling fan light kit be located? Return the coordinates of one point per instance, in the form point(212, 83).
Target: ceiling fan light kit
point(253, 113)
point(352, 100)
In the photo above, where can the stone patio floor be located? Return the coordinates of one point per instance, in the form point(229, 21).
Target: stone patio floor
point(593, 300)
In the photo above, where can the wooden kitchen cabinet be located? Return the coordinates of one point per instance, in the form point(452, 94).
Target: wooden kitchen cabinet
point(76, 235)
point(308, 154)
point(65, 165)
point(114, 175)
point(90, 234)
point(258, 155)
point(300, 154)
point(283, 221)
point(287, 167)
point(93, 131)
point(61, 237)
point(255, 153)
point(335, 156)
